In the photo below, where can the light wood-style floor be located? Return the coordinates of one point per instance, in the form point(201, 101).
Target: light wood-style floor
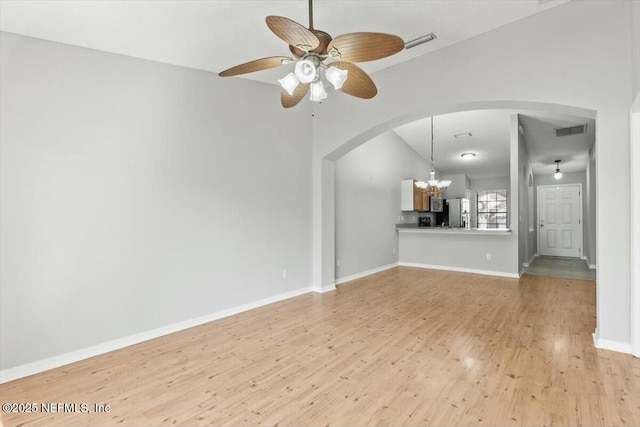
point(403, 347)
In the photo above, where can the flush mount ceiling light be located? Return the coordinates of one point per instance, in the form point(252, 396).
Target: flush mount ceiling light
point(468, 156)
point(557, 174)
point(433, 187)
point(312, 49)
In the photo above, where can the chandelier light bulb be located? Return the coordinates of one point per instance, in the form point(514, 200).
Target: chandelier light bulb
point(336, 76)
point(289, 83)
point(432, 179)
point(305, 71)
point(317, 91)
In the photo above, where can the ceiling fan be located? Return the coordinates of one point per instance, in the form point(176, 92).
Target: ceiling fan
point(319, 55)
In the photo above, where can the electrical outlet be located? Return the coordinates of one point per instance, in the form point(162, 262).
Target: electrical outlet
point(285, 273)
point(488, 257)
point(394, 251)
point(338, 263)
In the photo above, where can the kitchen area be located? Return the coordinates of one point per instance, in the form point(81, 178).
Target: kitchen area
point(452, 207)
point(440, 230)
point(433, 209)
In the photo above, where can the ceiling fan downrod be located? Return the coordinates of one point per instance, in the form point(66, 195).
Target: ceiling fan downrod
point(311, 14)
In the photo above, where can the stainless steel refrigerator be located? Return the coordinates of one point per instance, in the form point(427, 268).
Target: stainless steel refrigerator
point(459, 210)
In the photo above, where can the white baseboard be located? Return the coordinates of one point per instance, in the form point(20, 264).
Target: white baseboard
point(323, 289)
point(27, 369)
point(461, 270)
point(620, 347)
point(527, 263)
point(365, 273)
point(591, 266)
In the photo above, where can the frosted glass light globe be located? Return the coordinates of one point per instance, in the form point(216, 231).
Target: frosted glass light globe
point(336, 76)
point(289, 83)
point(317, 91)
point(305, 71)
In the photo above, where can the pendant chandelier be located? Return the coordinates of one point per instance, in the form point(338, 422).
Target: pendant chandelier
point(558, 173)
point(433, 187)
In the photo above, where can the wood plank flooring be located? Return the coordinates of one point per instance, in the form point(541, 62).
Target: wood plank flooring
point(406, 347)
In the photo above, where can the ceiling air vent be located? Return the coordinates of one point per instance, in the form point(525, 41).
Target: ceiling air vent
point(573, 130)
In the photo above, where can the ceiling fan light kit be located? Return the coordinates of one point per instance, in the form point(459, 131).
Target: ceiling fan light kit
point(312, 48)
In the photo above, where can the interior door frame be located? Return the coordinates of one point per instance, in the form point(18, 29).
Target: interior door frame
point(579, 184)
point(635, 225)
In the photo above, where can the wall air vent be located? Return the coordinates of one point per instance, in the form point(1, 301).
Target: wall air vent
point(573, 130)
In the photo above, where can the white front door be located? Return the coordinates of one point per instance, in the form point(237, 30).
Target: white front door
point(560, 220)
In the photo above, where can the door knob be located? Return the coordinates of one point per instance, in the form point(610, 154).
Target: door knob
point(541, 225)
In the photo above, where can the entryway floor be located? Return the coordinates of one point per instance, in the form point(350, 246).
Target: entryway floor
point(566, 268)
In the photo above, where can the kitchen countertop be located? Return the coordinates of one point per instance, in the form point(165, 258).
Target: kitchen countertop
point(413, 228)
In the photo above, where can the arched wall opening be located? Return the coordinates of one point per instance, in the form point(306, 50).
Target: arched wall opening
point(562, 67)
point(326, 279)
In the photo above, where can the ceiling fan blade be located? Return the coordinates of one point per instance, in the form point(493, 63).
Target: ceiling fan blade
point(293, 33)
point(289, 101)
point(360, 47)
point(257, 65)
point(358, 82)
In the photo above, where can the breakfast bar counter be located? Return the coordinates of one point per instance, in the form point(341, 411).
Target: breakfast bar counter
point(413, 228)
point(482, 251)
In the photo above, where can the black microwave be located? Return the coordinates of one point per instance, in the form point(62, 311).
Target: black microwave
point(436, 204)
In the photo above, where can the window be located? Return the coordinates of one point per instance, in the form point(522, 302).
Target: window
point(492, 209)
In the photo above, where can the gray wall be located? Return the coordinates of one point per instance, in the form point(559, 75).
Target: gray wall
point(591, 198)
point(527, 245)
point(571, 178)
point(458, 187)
point(136, 194)
point(367, 206)
point(462, 252)
point(635, 18)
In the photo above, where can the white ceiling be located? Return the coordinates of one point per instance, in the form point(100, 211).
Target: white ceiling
point(490, 130)
point(544, 147)
point(215, 35)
